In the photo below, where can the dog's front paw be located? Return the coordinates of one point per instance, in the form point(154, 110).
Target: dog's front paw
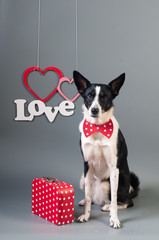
point(114, 222)
point(82, 202)
point(106, 208)
point(83, 218)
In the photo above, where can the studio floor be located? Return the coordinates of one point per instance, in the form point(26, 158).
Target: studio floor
point(141, 221)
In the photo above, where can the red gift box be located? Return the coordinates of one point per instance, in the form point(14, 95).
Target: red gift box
point(53, 200)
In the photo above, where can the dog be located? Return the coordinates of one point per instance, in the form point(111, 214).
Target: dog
point(107, 180)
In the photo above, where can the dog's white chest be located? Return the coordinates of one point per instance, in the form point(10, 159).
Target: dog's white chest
point(93, 153)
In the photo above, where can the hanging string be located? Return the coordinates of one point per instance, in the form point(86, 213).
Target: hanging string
point(76, 37)
point(38, 34)
point(38, 37)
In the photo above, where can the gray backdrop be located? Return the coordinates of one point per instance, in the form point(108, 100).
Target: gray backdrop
point(112, 37)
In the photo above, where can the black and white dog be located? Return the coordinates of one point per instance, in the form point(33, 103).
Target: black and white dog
point(106, 179)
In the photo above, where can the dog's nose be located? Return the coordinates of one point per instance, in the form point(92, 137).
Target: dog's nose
point(95, 111)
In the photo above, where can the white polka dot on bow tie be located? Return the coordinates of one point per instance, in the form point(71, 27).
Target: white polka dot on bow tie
point(97, 127)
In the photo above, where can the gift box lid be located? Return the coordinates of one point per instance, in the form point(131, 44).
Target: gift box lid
point(52, 182)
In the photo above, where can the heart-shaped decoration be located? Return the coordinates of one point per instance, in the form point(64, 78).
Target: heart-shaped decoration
point(65, 79)
point(29, 70)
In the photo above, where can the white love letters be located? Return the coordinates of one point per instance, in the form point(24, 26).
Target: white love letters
point(37, 108)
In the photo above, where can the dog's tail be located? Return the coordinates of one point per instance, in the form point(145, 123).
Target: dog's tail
point(134, 182)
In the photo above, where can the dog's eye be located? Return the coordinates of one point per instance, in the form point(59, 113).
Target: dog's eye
point(90, 96)
point(103, 98)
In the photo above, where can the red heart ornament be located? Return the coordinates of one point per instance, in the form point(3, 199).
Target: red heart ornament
point(65, 79)
point(29, 70)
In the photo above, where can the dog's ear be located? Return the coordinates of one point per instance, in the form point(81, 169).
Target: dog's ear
point(81, 82)
point(116, 84)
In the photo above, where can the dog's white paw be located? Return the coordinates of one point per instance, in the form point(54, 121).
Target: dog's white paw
point(81, 203)
point(83, 218)
point(114, 222)
point(106, 208)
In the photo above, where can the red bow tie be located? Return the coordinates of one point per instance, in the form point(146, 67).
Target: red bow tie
point(106, 129)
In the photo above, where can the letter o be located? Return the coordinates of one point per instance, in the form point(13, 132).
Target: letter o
point(32, 107)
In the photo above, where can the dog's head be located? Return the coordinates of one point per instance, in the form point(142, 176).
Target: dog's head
point(98, 98)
